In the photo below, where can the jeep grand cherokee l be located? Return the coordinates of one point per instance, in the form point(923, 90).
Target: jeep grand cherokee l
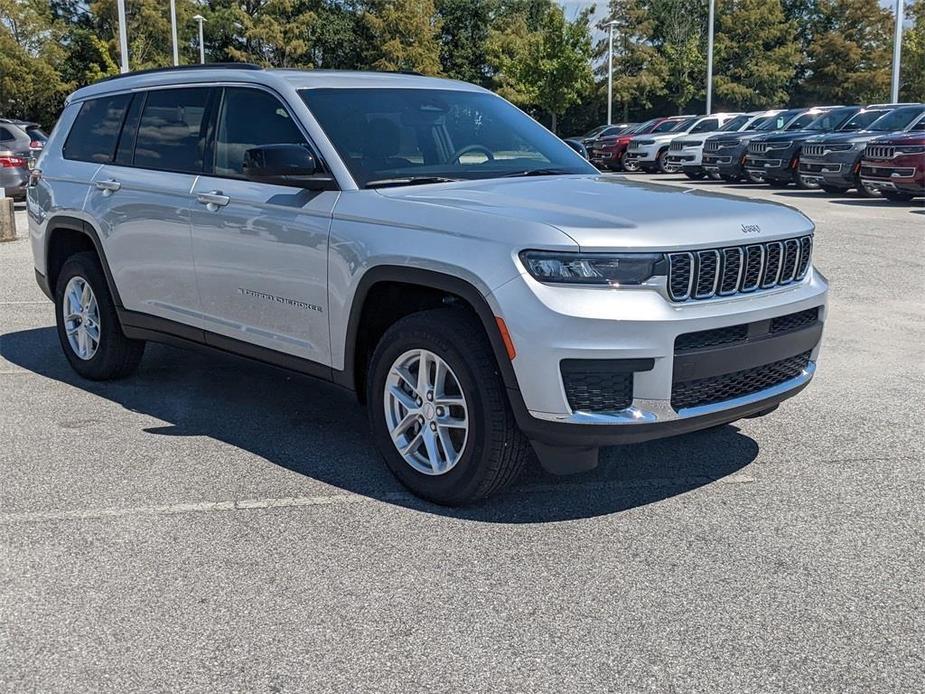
point(895, 164)
point(423, 243)
point(776, 156)
point(834, 160)
point(725, 154)
point(686, 151)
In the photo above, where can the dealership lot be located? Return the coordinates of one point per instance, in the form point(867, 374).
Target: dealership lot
point(210, 524)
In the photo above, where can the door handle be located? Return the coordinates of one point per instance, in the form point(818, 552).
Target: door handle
point(213, 200)
point(108, 187)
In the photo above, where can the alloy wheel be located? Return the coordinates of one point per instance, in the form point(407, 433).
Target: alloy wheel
point(426, 412)
point(81, 318)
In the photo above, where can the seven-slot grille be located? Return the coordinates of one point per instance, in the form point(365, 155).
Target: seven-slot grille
point(757, 147)
point(676, 145)
point(726, 271)
point(814, 150)
point(709, 146)
point(879, 152)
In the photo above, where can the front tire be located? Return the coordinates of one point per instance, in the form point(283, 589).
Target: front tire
point(833, 190)
point(438, 409)
point(630, 165)
point(661, 163)
point(88, 327)
point(695, 175)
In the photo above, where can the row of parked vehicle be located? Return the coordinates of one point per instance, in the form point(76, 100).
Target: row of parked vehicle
point(20, 142)
point(877, 149)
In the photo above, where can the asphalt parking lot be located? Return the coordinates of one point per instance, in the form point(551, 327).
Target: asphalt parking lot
point(214, 525)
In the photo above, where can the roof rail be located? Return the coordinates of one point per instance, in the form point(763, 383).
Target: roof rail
point(175, 68)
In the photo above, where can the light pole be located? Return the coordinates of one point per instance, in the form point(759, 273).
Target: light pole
point(610, 25)
point(123, 40)
point(173, 31)
point(202, 49)
point(710, 60)
point(897, 50)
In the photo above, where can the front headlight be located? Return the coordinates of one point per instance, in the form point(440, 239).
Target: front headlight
point(612, 269)
point(910, 149)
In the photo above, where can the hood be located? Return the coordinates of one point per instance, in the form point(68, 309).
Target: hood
point(741, 136)
point(614, 212)
point(788, 136)
point(913, 138)
point(850, 137)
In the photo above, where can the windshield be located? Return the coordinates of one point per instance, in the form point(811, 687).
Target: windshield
point(37, 134)
point(670, 126)
point(830, 120)
point(801, 122)
point(385, 136)
point(595, 131)
point(734, 124)
point(647, 127)
point(863, 119)
point(896, 120)
point(779, 121)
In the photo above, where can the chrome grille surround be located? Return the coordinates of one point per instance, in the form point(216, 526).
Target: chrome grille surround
point(703, 274)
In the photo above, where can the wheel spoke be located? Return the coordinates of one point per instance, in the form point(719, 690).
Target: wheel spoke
point(85, 297)
point(403, 398)
point(423, 384)
point(454, 422)
point(448, 448)
point(407, 377)
point(402, 427)
point(433, 454)
point(412, 444)
point(93, 331)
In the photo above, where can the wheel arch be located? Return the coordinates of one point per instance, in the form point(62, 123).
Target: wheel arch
point(65, 236)
point(450, 289)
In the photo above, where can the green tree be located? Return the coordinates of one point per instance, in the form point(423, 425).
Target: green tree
point(912, 85)
point(756, 54)
point(850, 57)
point(148, 31)
point(640, 70)
point(404, 35)
point(548, 68)
point(680, 37)
point(31, 86)
point(464, 30)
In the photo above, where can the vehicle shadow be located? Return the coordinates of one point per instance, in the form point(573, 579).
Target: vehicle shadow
point(318, 430)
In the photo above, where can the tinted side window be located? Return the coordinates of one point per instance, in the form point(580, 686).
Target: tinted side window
point(126, 149)
point(96, 129)
point(6, 134)
point(249, 118)
point(170, 134)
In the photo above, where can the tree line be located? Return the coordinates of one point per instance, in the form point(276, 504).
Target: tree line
point(767, 52)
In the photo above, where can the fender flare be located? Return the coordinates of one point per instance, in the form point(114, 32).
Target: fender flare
point(87, 229)
point(431, 280)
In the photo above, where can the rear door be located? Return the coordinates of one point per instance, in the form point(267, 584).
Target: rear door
point(142, 202)
point(261, 249)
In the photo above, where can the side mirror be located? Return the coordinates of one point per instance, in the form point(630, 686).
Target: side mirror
point(286, 165)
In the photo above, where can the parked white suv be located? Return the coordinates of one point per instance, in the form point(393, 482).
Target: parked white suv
point(651, 152)
point(427, 245)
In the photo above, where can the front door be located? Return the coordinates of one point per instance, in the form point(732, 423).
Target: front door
point(261, 250)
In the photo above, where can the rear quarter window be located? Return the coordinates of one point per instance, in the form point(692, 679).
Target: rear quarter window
point(96, 129)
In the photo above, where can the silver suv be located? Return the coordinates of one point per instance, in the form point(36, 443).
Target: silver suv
point(425, 244)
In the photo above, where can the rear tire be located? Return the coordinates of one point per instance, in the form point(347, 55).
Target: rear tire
point(88, 327)
point(493, 451)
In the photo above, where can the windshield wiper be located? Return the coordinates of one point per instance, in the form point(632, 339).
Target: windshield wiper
point(539, 172)
point(408, 181)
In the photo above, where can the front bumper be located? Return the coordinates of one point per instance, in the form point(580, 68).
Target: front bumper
point(688, 158)
point(555, 324)
point(727, 161)
point(776, 165)
point(903, 176)
point(837, 169)
point(647, 154)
